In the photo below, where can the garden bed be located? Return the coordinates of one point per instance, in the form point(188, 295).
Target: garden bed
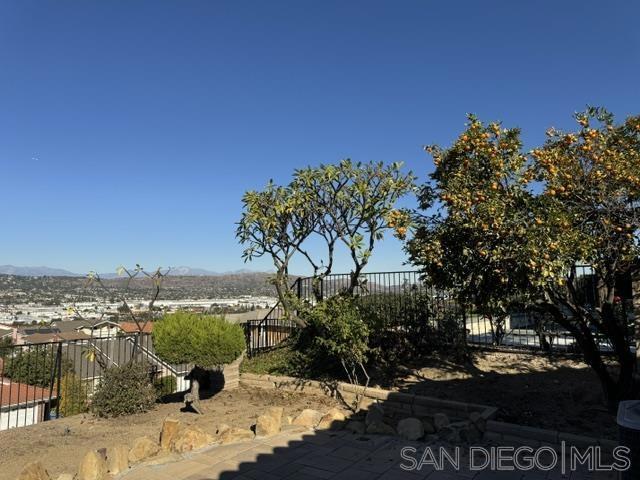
point(60, 444)
point(558, 393)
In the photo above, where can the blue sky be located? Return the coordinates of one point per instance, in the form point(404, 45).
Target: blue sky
point(129, 130)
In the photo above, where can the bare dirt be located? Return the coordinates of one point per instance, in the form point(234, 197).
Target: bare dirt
point(559, 393)
point(61, 444)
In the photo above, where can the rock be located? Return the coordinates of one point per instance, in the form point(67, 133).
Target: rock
point(170, 428)
point(356, 427)
point(270, 422)
point(92, 467)
point(223, 427)
point(440, 420)
point(276, 413)
point(143, 448)
point(266, 425)
point(308, 418)
point(288, 420)
point(410, 428)
point(190, 438)
point(470, 434)
point(449, 434)
point(236, 435)
point(478, 421)
point(34, 471)
point(117, 459)
point(380, 428)
point(334, 419)
point(375, 414)
point(427, 424)
point(65, 476)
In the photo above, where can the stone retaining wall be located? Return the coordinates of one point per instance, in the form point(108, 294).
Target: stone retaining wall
point(404, 403)
point(418, 405)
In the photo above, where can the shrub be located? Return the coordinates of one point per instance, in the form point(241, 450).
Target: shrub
point(202, 340)
point(124, 390)
point(335, 338)
point(36, 366)
point(73, 395)
point(411, 324)
point(165, 386)
point(281, 360)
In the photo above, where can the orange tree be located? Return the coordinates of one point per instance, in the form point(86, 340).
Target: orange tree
point(503, 224)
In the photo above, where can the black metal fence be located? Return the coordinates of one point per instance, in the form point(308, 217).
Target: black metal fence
point(413, 308)
point(42, 381)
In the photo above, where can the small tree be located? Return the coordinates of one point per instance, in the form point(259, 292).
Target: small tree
point(497, 236)
point(349, 203)
point(204, 341)
point(73, 395)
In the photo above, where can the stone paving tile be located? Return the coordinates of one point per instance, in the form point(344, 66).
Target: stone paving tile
point(436, 475)
point(353, 474)
point(504, 475)
point(260, 475)
point(287, 469)
point(348, 452)
point(323, 462)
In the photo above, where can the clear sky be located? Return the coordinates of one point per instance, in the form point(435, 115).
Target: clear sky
point(130, 129)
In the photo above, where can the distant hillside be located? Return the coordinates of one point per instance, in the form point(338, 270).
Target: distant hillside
point(59, 272)
point(62, 289)
point(36, 271)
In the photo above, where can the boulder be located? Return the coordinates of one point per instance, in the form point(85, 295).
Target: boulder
point(92, 467)
point(270, 422)
point(410, 428)
point(223, 427)
point(170, 428)
point(440, 420)
point(307, 418)
point(190, 438)
point(34, 471)
point(427, 424)
point(334, 419)
point(266, 425)
point(234, 435)
point(470, 434)
point(117, 459)
point(380, 428)
point(478, 421)
point(356, 427)
point(143, 448)
point(375, 414)
point(450, 434)
point(277, 413)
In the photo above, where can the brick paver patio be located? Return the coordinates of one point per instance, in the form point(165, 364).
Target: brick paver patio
point(324, 455)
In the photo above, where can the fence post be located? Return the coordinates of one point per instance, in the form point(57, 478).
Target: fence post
point(59, 369)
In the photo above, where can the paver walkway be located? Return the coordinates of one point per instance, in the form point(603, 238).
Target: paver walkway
point(323, 455)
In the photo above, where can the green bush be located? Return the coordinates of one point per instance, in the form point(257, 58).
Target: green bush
point(281, 360)
point(36, 366)
point(334, 339)
point(165, 386)
point(124, 390)
point(203, 340)
point(408, 325)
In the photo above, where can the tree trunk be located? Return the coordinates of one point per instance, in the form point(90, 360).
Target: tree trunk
point(192, 398)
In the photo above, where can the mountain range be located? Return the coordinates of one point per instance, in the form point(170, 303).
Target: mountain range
point(59, 272)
